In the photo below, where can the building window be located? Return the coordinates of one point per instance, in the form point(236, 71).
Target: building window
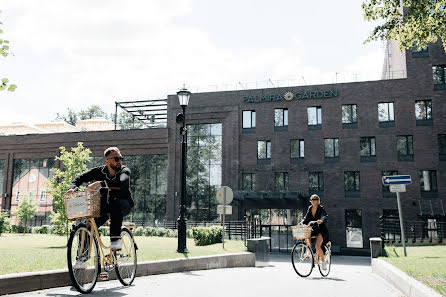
point(353, 228)
point(280, 119)
point(441, 146)
point(18, 195)
point(349, 116)
point(42, 196)
point(263, 151)
point(404, 146)
point(204, 170)
point(419, 52)
point(249, 119)
point(249, 181)
point(439, 76)
point(281, 181)
point(331, 148)
point(368, 149)
point(386, 114)
point(297, 147)
point(351, 183)
point(385, 189)
point(423, 112)
point(316, 182)
point(2, 176)
point(314, 118)
point(428, 182)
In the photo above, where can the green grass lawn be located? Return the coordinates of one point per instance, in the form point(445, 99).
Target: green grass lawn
point(424, 263)
point(36, 252)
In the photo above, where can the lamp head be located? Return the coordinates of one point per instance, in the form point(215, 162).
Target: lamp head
point(183, 96)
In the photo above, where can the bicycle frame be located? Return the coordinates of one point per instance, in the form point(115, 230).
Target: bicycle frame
point(108, 259)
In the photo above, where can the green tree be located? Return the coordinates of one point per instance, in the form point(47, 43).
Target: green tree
point(423, 21)
point(4, 221)
point(94, 111)
point(26, 211)
point(70, 117)
point(74, 163)
point(4, 51)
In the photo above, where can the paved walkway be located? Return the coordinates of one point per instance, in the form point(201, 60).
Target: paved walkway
point(349, 277)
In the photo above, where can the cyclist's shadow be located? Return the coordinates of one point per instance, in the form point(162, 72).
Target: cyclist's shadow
point(98, 292)
point(337, 279)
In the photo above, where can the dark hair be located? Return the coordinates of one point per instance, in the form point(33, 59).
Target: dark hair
point(111, 149)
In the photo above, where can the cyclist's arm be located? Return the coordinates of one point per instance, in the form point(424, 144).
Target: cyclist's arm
point(324, 214)
point(306, 218)
point(86, 177)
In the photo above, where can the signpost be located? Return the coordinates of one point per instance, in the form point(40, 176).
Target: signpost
point(397, 184)
point(224, 196)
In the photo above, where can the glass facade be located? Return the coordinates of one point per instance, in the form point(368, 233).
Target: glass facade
point(204, 159)
point(2, 177)
point(30, 180)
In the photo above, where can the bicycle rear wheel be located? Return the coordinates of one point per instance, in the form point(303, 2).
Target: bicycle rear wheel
point(126, 262)
point(302, 259)
point(83, 259)
point(326, 270)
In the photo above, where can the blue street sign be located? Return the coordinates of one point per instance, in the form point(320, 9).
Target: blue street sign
point(396, 180)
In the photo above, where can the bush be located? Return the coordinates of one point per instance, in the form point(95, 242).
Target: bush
point(139, 231)
point(4, 222)
point(44, 229)
point(19, 229)
point(103, 231)
point(58, 224)
point(207, 235)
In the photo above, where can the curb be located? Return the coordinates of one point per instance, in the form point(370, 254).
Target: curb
point(409, 286)
point(32, 281)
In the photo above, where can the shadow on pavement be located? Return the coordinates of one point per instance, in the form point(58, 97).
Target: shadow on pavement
point(335, 259)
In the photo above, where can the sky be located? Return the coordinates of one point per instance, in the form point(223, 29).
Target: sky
point(73, 54)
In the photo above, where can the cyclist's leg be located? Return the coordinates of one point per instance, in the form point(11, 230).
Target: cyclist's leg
point(319, 240)
point(115, 220)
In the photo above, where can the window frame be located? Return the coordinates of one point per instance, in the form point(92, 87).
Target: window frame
point(252, 181)
point(252, 119)
point(267, 150)
point(356, 190)
point(389, 116)
point(427, 120)
point(320, 185)
point(285, 178)
point(405, 156)
point(371, 142)
point(300, 149)
point(318, 124)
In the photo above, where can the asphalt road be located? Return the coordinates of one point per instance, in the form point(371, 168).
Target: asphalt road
point(349, 277)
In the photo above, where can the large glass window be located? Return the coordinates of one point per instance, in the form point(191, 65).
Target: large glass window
point(439, 74)
point(428, 180)
point(281, 181)
point(204, 159)
point(314, 115)
point(385, 112)
point(148, 183)
point(249, 181)
point(249, 119)
point(316, 181)
point(331, 147)
point(280, 117)
point(349, 114)
point(2, 177)
point(423, 109)
point(263, 149)
point(297, 148)
point(368, 146)
point(353, 224)
point(30, 179)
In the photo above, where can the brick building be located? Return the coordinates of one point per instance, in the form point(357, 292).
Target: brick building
point(274, 147)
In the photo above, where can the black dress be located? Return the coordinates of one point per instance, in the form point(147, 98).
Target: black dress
point(322, 229)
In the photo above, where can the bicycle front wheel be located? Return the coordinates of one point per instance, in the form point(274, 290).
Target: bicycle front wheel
point(302, 259)
point(126, 262)
point(83, 259)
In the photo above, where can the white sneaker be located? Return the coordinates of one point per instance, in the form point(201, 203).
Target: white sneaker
point(116, 245)
point(80, 264)
point(323, 265)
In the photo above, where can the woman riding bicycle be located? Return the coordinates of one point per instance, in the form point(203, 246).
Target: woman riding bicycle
point(317, 216)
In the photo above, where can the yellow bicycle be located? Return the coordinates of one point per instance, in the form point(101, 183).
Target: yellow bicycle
point(84, 244)
point(303, 257)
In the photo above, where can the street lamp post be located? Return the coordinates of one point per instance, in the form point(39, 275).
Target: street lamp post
point(183, 97)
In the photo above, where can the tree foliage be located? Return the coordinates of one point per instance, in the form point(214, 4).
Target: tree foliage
point(74, 163)
point(26, 210)
point(423, 21)
point(4, 51)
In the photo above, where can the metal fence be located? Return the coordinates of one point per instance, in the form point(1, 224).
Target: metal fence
point(422, 232)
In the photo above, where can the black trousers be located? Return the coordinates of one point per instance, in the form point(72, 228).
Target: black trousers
point(117, 209)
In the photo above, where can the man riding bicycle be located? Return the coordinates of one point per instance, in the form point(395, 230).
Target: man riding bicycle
point(113, 181)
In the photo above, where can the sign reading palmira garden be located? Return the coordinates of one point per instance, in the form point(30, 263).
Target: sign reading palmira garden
point(288, 96)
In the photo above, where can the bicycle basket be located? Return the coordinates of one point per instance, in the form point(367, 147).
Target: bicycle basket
point(301, 231)
point(83, 204)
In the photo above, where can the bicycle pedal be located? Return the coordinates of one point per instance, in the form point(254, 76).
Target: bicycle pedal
point(103, 276)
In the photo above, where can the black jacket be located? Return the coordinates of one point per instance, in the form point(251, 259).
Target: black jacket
point(121, 180)
point(321, 214)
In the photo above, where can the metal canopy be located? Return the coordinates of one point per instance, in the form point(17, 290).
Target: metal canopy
point(151, 112)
